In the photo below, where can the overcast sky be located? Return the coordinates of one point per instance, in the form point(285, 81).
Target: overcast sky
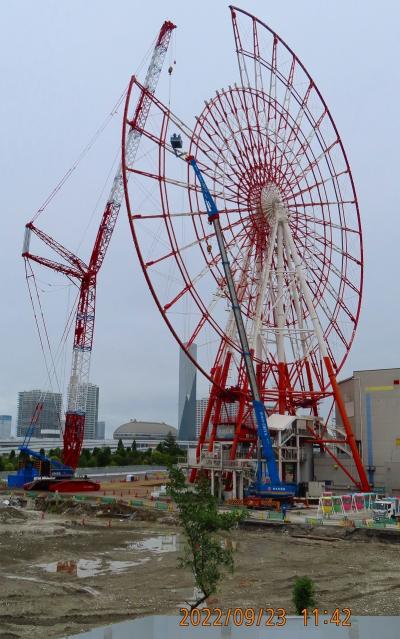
point(63, 65)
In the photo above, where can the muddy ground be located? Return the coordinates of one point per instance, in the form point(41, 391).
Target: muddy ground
point(69, 572)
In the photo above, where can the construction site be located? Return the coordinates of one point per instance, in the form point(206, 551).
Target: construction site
point(246, 225)
point(103, 560)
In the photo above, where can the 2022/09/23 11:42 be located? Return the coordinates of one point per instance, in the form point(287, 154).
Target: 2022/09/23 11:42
point(339, 617)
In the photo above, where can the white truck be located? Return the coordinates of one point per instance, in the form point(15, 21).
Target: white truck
point(387, 508)
point(161, 492)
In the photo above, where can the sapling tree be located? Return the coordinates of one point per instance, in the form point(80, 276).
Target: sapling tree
point(201, 523)
point(303, 594)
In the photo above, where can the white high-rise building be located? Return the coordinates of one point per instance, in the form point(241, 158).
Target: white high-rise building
point(92, 411)
point(201, 407)
point(100, 430)
point(49, 419)
point(5, 426)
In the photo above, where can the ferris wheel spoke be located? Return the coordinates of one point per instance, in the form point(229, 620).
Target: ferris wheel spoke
point(272, 94)
point(162, 216)
point(191, 286)
point(245, 149)
point(215, 127)
point(205, 317)
point(296, 127)
point(258, 74)
point(334, 293)
point(339, 274)
point(325, 153)
point(314, 204)
point(249, 128)
point(288, 95)
point(340, 251)
point(325, 223)
point(333, 177)
point(306, 145)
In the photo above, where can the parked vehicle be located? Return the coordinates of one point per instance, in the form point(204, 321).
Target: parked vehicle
point(387, 508)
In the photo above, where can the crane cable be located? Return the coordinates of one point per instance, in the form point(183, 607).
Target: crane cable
point(43, 332)
point(91, 142)
point(80, 157)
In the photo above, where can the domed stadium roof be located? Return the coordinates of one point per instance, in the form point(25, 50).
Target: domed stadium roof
point(144, 430)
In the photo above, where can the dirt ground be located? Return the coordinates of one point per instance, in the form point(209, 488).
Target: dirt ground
point(66, 573)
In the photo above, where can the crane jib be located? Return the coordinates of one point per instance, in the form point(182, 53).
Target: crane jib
point(259, 408)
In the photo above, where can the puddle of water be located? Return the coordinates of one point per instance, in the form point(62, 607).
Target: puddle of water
point(121, 566)
point(160, 544)
point(80, 568)
point(90, 567)
point(171, 543)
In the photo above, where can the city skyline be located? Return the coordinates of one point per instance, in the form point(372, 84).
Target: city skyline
point(135, 359)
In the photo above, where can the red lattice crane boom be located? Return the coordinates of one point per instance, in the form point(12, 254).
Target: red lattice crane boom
point(87, 274)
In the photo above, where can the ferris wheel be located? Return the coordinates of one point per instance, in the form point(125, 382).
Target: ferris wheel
point(277, 170)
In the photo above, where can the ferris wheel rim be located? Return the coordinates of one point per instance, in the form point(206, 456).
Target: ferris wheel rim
point(234, 9)
point(195, 193)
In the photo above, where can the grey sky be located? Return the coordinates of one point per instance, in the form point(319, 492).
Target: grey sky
point(62, 67)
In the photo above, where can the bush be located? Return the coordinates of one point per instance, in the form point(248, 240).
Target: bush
point(303, 594)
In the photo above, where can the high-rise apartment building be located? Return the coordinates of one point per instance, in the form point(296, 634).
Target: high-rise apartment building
point(5, 426)
point(187, 395)
point(100, 430)
point(201, 407)
point(92, 411)
point(49, 420)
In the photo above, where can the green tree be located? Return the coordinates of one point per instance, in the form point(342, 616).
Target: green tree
point(11, 456)
point(303, 594)
point(160, 459)
point(104, 456)
point(84, 458)
point(134, 446)
point(201, 524)
point(120, 447)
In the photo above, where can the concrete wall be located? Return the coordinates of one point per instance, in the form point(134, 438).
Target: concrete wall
point(326, 469)
point(372, 399)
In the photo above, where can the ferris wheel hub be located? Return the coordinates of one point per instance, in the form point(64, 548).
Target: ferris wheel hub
point(272, 204)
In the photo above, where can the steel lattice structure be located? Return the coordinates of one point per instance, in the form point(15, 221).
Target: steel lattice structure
point(277, 170)
point(85, 274)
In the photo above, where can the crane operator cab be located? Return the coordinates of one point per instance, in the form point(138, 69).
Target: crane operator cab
point(176, 142)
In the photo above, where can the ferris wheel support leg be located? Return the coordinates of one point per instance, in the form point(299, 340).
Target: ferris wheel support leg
point(365, 485)
point(218, 403)
point(239, 420)
point(280, 316)
point(206, 420)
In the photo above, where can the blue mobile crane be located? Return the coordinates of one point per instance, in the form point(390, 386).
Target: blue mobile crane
point(266, 485)
point(35, 464)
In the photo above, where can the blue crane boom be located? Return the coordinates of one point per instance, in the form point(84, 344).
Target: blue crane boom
point(259, 408)
point(275, 485)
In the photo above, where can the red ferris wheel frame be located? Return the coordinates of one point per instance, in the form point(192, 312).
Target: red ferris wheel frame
point(259, 148)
